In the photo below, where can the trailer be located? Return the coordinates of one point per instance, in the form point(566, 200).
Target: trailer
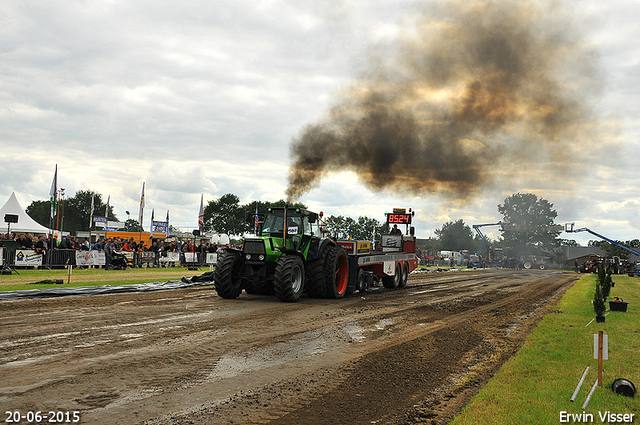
point(291, 256)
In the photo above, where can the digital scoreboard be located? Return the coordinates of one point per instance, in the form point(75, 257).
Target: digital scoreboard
point(398, 218)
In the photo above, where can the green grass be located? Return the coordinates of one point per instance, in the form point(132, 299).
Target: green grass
point(30, 279)
point(534, 386)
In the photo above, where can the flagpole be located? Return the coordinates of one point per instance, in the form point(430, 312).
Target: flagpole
point(141, 214)
point(91, 218)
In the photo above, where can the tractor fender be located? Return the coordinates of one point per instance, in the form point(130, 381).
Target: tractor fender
point(318, 246)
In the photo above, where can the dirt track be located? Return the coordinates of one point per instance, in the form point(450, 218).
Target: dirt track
point(189, 357)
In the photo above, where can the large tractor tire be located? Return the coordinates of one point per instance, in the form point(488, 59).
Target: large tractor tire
point(228, 275)
point(392, 282)
point(336, 272)
point(289, 278)
point(314, 286)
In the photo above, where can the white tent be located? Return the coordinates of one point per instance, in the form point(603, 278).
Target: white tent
point(25, 223)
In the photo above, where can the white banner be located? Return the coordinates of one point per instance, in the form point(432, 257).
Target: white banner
point(27, 258)
point(90, 258)
point(212, 258)
point(172, 257)
point(190, 257)
point(1, 254)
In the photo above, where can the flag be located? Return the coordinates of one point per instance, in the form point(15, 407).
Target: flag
point(151, 226)
point(201, 214)
point(140, 214)
point(106, 210)
point(52, 192)
point(256, 220)
point(167, 223)
point(93, 194)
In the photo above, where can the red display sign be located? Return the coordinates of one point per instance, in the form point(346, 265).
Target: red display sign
point(399, 218)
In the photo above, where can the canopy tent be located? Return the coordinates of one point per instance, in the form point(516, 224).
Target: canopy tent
point(25, 223)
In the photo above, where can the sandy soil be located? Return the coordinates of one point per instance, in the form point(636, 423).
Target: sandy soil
point(415, 355)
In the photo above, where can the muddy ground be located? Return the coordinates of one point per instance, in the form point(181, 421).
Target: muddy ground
point(415, 355)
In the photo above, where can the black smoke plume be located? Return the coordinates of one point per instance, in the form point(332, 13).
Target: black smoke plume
point(475, 92)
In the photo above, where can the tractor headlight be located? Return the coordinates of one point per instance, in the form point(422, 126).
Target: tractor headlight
point(248, 256)
point(261, 257)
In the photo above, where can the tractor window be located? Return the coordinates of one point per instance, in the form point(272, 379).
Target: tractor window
point(307, 226)
point(274, 223)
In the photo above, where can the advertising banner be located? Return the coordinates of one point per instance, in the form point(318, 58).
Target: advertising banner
point(27, 258)
point(212, 258)
point(172, 257)
point(160, 226)
point(90, 258)
point(147, 256)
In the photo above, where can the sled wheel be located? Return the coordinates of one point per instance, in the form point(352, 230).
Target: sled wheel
point(405, 276)
point(289, 278)
point(392, 282)
point(361, 284)
point(228, 275)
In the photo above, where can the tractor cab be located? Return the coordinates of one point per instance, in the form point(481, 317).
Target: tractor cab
point(298, 222)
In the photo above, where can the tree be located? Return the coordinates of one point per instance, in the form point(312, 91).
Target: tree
point(132, 225)
point(455, 236)
point(77, 210)
point(40, 211)
point(74, 211)
point(225, 216)
point(529, 223)
point(363, 229)
point(339, 227)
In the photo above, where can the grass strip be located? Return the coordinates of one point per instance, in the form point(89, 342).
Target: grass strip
point(535, 386)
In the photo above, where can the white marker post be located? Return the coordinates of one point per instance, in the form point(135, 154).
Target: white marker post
point(600, 351)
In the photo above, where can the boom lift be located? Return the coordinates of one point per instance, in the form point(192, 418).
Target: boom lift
point(635, 269)
point(485, 242)
point(569, 228)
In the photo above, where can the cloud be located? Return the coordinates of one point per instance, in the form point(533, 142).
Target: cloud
point(206, 97)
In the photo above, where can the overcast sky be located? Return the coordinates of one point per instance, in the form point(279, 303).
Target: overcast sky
point(207, 97)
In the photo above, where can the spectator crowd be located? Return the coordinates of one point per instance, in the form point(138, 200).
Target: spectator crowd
point(116, 246)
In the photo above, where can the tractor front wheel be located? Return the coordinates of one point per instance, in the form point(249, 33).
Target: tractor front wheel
point(289, 278)
point(228, 275)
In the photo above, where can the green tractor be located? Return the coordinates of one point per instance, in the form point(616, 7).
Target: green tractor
point(288, 257)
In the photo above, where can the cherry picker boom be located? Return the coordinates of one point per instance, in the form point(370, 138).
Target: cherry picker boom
point(569, 228)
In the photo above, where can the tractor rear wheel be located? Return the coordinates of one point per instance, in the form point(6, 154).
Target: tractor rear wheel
point(228, 275)
point(315, 278)
point(289, 278)
point(336, 272)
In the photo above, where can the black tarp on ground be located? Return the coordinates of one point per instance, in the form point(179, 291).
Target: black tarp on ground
point(186, 282)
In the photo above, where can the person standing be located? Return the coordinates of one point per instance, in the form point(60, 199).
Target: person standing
point(108, 252)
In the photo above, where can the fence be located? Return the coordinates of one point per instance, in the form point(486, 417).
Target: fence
point(62, 258)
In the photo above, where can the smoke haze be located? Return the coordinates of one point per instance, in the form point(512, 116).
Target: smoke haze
point(474, 93)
